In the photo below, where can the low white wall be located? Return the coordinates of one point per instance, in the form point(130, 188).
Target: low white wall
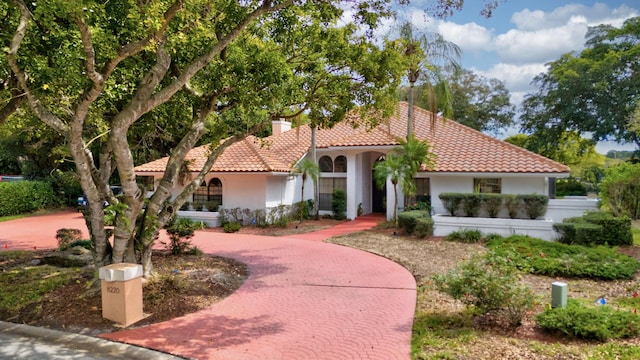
point(559, 209)
point(212, 219)
point(541, 229)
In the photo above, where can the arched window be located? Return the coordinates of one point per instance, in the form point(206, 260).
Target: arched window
point(201, 194)
point(326, 164)
point(215, 191)
point(340, 165)
point(209, 193)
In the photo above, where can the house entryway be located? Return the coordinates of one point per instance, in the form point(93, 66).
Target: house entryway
point(378, 197)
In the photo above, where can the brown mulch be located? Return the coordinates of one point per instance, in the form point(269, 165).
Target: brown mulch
point(184, 284)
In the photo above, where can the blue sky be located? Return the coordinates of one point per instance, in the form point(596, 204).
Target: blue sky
point(521, 36)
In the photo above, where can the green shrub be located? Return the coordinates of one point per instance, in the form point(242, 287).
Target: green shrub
point(471, 205)
point(185, 206)
point(592, 323)
point(180, 232)
point(534, 205)
point(556, 259)
point(492, 203)
point(595, 228)
point(465, 236)
point(26, 196)
point(67, 236)
point(407, 220)
point(512, 203)
point(616, 231)
point(570, 187)
point(231, 227)
point(489, 284)
point(620, 190)
point(424, 227)
point(212, 206)
point(197, 205)
point(451, 202)
point(87, 244)
point(301, 209)
point(493, 237)
point(339, 204)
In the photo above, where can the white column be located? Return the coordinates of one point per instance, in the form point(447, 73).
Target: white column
point(352, 188)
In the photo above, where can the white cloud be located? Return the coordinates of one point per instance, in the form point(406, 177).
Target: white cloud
point(470, 37)
point(540, 46)
point(516, 77)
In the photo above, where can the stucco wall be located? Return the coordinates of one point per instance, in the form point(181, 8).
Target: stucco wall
point(463, 183)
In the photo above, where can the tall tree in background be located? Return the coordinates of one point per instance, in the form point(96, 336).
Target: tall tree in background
point(307, 168)
point(422, 55)
point(594, 91)
point(480, 103)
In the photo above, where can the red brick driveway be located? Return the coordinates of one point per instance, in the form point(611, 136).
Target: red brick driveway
point(303, 300)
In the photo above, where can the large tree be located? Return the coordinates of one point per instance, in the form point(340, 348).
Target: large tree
point(480, 103)
point(594, 91)
point(102, 73)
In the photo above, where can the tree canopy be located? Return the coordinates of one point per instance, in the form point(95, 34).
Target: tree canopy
point(112, 78)
point(594, 91)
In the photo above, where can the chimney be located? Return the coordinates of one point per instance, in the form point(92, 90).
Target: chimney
point(279, 126)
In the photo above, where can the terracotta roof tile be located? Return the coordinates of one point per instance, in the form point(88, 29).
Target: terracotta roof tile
point(458, 148)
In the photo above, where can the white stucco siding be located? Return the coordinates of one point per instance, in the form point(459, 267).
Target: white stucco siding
point(463, 183)
point(444, 183)
point(243, 190)
point(283, 189)
point(524, 185)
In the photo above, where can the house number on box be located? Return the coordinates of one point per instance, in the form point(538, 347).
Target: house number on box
point(113, 289)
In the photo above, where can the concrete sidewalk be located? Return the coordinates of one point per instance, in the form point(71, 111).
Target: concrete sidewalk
point(302, 300)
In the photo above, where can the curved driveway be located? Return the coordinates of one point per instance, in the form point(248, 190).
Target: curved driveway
point(303, 299)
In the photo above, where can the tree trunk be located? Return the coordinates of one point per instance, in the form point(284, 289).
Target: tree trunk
point(410, 117)
point(395, 203)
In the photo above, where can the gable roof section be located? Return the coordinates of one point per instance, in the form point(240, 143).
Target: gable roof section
point(458, 148)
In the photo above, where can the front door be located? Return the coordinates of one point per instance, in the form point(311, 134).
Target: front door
point(378, 198)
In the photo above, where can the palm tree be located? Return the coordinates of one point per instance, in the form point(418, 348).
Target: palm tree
point(391, 168)
point(306, 168)
point(415, 154)
point(401, 166)
point(422, 55)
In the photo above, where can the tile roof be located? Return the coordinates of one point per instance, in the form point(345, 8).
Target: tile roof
point(458, 148)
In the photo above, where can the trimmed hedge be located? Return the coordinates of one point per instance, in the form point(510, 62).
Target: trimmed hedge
point(26, 196)
point(532, 206)
point(595, 228)
point(416, 221)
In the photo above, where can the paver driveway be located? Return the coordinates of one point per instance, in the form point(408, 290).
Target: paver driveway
point(303, 300)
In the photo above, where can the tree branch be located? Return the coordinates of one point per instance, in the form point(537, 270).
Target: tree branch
point(12, 58)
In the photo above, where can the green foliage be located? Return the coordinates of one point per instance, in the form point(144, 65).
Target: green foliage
point(595, 228)
point(591, 323)
point(212, 206)
point(232, 227)
point(491, 285)
point(26, 286)
point(465, 236)
point(408, 220)
point(480, 103)
point(620, 190)
point(339, 204)
point(592, 91)
point(26, 196)
point(572, 261)
point(180, 233)
point(570, 187)
point(82, 243)
point(198, 205)
point(451, 201)
point(492, 203)
point(67, 236)
point(512, 203)
point(534, 205)
point(471, 204)
point(303, 209)
point(424, 227)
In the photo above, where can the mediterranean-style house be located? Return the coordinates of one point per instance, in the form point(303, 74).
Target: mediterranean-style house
point(256, 173)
